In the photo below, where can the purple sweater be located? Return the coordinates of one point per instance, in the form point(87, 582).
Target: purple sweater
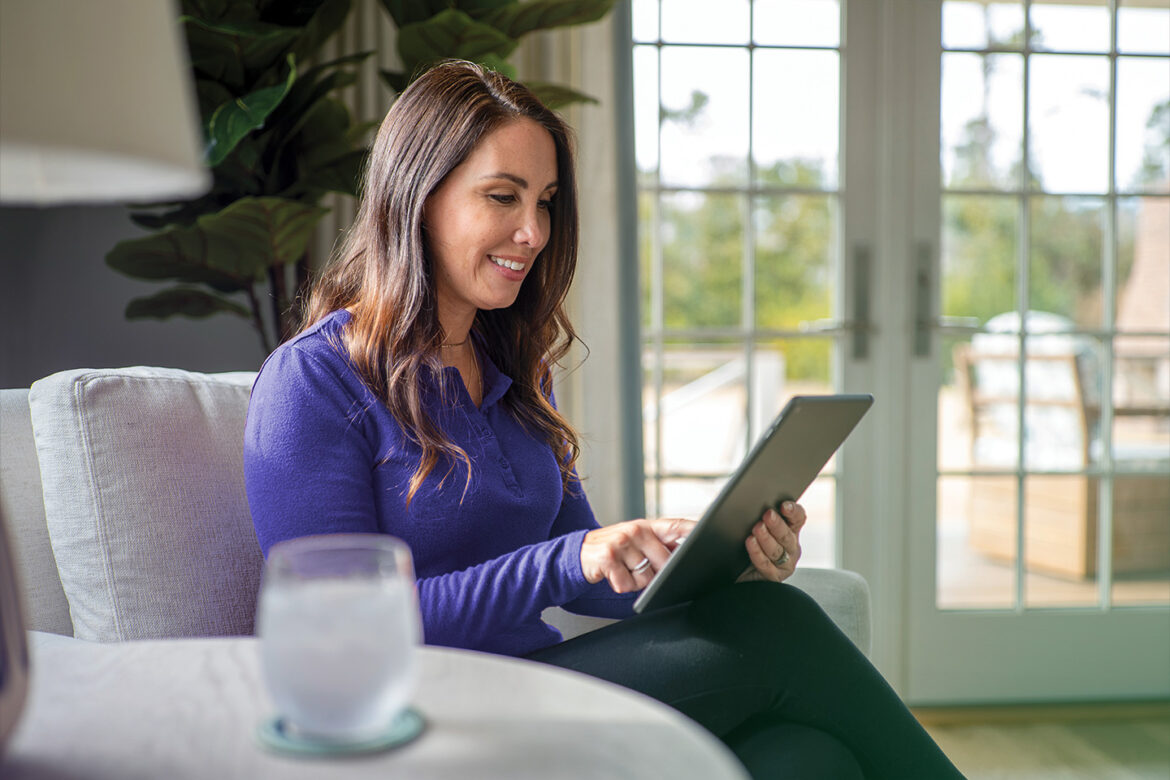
point(323, 455)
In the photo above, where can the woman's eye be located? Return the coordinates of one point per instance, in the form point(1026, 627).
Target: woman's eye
point(544, 204)
point(505, 199)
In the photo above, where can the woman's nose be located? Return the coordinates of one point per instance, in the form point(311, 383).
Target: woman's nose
point(533, 229)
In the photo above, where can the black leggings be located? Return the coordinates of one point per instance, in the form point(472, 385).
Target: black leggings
point(763, 667)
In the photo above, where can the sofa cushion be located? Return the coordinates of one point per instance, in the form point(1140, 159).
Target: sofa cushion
point(22, 509)
point(143, 481)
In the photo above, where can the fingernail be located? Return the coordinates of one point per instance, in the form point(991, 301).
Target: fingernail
point(787, 506)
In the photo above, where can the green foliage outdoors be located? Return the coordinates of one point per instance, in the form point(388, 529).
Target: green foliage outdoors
point(702, 256)
point(278, 140)
point(702, 244)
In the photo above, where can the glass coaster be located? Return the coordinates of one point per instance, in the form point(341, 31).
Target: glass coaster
point(274, 734)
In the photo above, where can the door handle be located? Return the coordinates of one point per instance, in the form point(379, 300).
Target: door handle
point(922, 295)
point(858, 325)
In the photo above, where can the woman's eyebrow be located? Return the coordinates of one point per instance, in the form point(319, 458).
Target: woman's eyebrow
point(523, 183)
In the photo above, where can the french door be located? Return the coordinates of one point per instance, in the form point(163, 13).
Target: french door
point(958, 207)
point(1039, 487)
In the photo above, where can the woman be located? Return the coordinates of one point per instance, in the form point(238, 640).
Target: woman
point(418, 401)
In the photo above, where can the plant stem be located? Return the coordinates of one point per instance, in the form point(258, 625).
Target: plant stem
point(258, 321)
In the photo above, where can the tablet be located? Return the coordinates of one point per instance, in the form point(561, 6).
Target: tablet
point(784, 462)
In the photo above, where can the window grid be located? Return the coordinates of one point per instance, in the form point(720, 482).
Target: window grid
point(1105, 469)
point(655, 335)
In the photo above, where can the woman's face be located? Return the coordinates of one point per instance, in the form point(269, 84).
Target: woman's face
point(489, 219)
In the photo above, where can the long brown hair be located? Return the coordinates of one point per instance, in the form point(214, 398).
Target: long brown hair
point(384, 274)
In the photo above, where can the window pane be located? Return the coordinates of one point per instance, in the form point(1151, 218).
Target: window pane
point(1067, 256)
point(705, 95)
point(992, 367)
point(1143, 124)
point(818, 539)
point(797, 22)
point(1143, 27)
point(1064, 377)
point(702, 251)
point(784, 368)
point(701, 416)
point(693, 21)
point(644, 20)
point(646, 110)
point(979, 249)
point(1143, 273)
point(976, 536)
point(1069, 121)
point(982, 25)
point(647, 209)
point(796, 151)
point(1060, 539)
point(982, 120)
point(1141, 397)
point(1082, 25)
point(1141, 539)
point(687, 497)
point(795, 240)
point(958, 405)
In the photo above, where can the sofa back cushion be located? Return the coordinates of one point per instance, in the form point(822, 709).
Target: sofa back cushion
point(22, 510)
point(142, 470)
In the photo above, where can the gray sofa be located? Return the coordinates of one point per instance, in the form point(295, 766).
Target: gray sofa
point(122, 491)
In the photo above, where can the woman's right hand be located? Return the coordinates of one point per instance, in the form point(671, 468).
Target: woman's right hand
point(629, 554)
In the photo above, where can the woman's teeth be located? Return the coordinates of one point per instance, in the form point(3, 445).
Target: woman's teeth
point(507, 263)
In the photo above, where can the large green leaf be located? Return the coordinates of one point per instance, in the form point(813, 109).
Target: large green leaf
point(237, 244)
point(557, 95)
point(340, 174)
point(305, 94)
point(182, 300)
point(235, 119)
point(405, 12)
point(475, 7)
point(327, 19)
point(517, 19)
point(233, 53)
point(222, 10)
point(211, 95)
point(322, 135)
point(450, 33)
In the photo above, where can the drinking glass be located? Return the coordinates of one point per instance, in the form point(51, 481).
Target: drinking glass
point(339, 626)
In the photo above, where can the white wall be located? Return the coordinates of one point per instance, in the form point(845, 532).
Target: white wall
point(61, 306)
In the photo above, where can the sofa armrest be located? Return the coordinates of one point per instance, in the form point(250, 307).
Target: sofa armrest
point(844, 595)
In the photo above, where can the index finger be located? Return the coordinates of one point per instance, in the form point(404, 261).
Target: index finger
point(671, 530)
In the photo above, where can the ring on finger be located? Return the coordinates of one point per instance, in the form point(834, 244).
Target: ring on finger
point(782, 558)
point(642, 566)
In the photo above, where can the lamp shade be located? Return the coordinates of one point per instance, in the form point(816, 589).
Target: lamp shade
point(96, 104)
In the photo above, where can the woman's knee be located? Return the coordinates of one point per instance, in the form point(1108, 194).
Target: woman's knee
point(757, 604)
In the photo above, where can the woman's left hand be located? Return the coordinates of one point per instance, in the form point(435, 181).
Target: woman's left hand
point(774, 543)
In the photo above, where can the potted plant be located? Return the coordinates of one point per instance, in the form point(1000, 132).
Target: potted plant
point(278, 141)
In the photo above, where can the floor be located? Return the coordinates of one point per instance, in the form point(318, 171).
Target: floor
point(1098, 742)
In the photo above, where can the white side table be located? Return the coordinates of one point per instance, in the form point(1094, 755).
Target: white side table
point(189, 709)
